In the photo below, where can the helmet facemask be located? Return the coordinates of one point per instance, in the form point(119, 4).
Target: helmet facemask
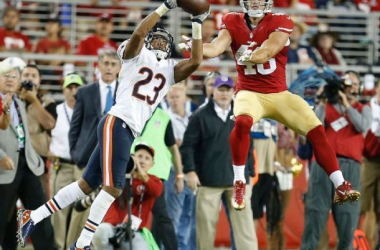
point(257, 5)
point(158, 33)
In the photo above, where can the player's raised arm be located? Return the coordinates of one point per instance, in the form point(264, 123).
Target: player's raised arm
point(269, 48)
point(186, 67)
point(136, 42)
point(218, 45)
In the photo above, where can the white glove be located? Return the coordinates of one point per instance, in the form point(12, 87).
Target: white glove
point(171, 4)
point(15, 62)
point(200, 18)
point(187, 44)
point(245, 56)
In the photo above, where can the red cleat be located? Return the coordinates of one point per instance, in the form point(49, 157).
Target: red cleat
point(345, 193)
point(238, 201)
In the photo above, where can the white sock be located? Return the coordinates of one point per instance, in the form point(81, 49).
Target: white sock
point(337, 178)
point(98, 210)
point(239, 173)
point(62, 199)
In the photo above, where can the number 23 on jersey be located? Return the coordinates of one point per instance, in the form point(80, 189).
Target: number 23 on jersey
point(136, 92)
point(253, 69)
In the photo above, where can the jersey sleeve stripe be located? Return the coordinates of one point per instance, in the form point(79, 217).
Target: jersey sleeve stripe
point(284, 29)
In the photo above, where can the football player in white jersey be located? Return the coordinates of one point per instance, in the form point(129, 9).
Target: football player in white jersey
point(146, 76)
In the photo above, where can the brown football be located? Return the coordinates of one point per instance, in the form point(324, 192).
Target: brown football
point(194, 7)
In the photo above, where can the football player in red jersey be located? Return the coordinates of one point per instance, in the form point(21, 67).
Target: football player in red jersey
point(259, 40)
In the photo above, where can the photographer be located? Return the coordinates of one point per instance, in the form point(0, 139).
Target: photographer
point(20, 167)
point(113, 232)
point(41, 113)
point(345, 121)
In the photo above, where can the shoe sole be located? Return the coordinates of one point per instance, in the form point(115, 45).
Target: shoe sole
point(353, 197)
point(20, 240)
point(236, 206)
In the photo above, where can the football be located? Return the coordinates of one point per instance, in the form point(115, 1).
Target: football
point(194, 7)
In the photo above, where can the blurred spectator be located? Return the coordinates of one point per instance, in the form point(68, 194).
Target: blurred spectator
point(266, 193)
point(190, 106)
point(371, 169)
point(10, 39)
point(92, 102)
point(208, 85)
point(323, 43)
point(145, 188)
point(158, 133)
point(345, 121)
point(119, 14)
point(99, 41)
point(5, 108)
point(53, 43)
point(181, 207)
point(41, 113)
point(20, 167)
point(299, 53)
point(368, 5)
point(63, 170)
point(207, 163)
point(285, 3)
point(285, 153)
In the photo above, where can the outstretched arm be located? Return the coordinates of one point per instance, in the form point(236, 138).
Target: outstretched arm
point(218, 45)
point(268, 49)
point(136, 42)
point(186, 67)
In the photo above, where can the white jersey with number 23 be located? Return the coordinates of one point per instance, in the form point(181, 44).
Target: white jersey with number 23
point(143, 83)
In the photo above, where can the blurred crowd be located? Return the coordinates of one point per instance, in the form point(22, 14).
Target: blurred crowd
point(46, 144)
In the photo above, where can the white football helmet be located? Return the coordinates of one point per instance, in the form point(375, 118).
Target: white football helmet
point(247, 6)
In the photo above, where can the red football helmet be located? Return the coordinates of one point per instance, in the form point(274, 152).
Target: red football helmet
point(254, 7)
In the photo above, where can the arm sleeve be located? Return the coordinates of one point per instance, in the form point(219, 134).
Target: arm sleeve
point(361, 121)
point(154, 186)
point(169, 135)
point(52, 109)
point(191, 141)
point(320, 113)
point(2, 154)
point(76, 122)
point(281, 22)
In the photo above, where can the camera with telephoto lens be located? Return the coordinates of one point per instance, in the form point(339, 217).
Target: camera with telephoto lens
point(122, 234)
point(331, 90)
point(27, 85)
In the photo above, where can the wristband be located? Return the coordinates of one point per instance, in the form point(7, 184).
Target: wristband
point(197, 30)
point(180, 176)
point(162, 10)
point(7, 112)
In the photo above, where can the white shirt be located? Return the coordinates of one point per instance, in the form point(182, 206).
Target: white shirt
point(179, 124)
point(143, 83)
point(103, 87)
point(59, 144)
point(223, 114)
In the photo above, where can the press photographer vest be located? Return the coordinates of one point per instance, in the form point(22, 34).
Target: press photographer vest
point(154, 134)
point(346, 141)
point(39, 136)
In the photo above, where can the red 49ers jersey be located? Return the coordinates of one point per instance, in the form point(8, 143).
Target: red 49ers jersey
point(268, 77)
